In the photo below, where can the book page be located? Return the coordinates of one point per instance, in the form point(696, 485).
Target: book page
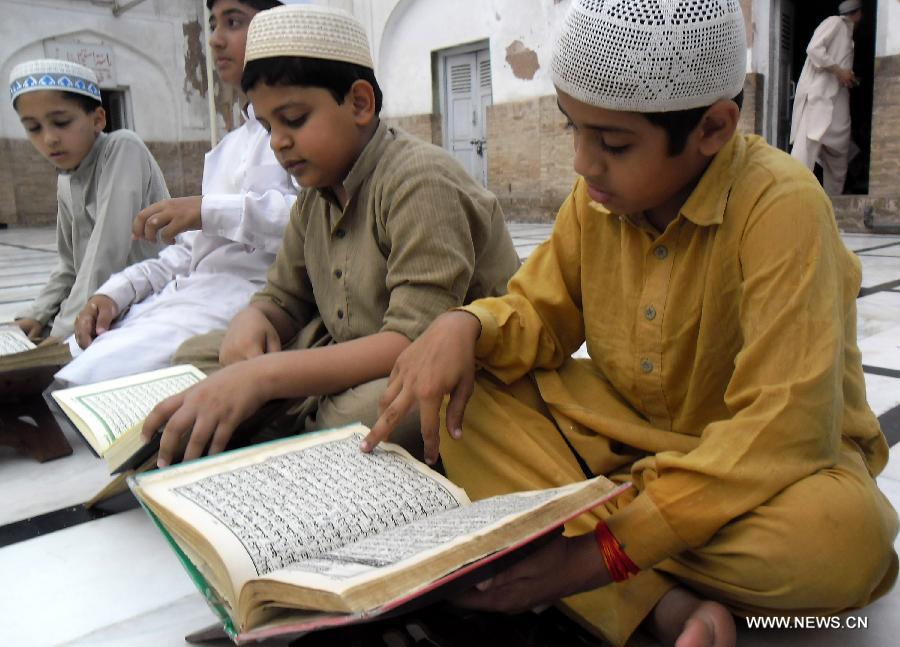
point(266, 507)
point(13, 340)
point(108, 409)
point(306, 504)
point(424, 535)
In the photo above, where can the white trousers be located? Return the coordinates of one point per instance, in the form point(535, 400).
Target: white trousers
point(832, 151)
point(146, 337)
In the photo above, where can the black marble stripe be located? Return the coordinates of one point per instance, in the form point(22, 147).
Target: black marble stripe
point(869, 249)
point(44, 524)
point(890, 425)
point(877, 370)
point(29, 248)
point(883, 287)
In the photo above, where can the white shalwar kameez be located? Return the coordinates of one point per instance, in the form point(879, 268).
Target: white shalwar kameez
point(201, 282)
point(820, 126)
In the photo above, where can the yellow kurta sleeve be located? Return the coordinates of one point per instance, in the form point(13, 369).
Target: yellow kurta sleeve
point(539, 323)
point(785, 392)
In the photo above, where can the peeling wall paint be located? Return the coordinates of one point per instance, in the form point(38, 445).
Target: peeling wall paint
point(195, 76)
point(194, 59)
point(747, 10)
point(523, 61)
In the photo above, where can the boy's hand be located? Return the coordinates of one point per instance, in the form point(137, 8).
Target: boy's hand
point(209, 411)
point(250, 334)
point(31, 327)
point(565, 566)
point(845, 77)
point(439, 362)
point(94, 319)
point(167, 219)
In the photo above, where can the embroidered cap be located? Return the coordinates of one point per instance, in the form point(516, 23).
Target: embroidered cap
point(310, 31)
point(52, 74)
point(849, 6)
point(651, 55)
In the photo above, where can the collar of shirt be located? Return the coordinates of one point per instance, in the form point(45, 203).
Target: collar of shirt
point(361, 169)
point(90, 158)
point(706, 204)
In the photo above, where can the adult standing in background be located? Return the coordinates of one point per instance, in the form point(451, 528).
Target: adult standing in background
point(820, 126)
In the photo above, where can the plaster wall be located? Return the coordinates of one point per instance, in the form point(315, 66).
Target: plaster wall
point(153, 57)
point(887, 39)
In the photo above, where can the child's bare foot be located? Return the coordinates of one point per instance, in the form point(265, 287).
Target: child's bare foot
point(682, 619)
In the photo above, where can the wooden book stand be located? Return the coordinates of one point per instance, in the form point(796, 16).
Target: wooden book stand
point(28, 426)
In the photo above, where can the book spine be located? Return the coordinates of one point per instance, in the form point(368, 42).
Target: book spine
point(210, 595)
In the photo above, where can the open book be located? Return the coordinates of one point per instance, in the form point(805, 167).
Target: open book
point(110, 414)
point(27, 369)
point(308, 532)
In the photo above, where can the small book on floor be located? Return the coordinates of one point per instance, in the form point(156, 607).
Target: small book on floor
point(109, 415)
point(27, 368)
point(308, 532)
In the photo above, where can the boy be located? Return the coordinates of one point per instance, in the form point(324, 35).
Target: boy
point(104, 180)
point(388, 232)
point(706, 274)
point(227, 239)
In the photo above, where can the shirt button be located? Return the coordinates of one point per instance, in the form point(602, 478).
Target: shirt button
point(338, 274)
point(340, 313)
point(650, 313)
point(660, 252)
point(340, 233)
point(646, 365)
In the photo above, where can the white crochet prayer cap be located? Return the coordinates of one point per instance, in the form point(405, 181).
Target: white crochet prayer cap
point(310, 31)
point(53, 74)
point(849, 6)
point(651, 55)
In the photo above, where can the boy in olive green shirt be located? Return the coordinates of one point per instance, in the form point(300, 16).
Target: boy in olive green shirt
point(389, 232)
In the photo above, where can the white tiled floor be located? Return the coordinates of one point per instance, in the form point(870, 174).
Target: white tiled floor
point(114, 581)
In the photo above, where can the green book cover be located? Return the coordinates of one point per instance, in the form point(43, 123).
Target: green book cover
point(215, 601)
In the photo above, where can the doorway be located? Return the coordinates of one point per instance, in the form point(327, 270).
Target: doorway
point(796, 22)
point(116, 107)
point(466, 95)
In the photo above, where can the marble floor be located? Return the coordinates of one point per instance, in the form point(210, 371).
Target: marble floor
point(74, 577)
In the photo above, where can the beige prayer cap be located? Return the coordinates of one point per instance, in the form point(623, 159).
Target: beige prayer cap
point(310, 31)
point(849, 6)
point(651, 55)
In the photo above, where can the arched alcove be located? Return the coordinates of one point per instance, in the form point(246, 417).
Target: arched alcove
point(156, 116)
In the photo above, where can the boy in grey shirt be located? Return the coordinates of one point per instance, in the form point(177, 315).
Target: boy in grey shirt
point(104, 181)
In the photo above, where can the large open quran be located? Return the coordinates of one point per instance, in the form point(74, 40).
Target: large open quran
point(27, 369)
point(110, 414)
point(309, 532)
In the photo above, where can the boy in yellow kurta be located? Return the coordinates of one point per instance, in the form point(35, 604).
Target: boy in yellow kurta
point(705, 272)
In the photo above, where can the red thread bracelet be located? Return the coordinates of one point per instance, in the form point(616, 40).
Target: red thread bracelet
point(618, 564)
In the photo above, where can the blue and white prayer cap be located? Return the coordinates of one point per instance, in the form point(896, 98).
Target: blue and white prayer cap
point(53, 74)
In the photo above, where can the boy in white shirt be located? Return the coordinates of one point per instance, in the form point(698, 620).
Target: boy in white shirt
point(226, 241)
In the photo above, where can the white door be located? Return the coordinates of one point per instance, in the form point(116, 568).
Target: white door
point(468, 91)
